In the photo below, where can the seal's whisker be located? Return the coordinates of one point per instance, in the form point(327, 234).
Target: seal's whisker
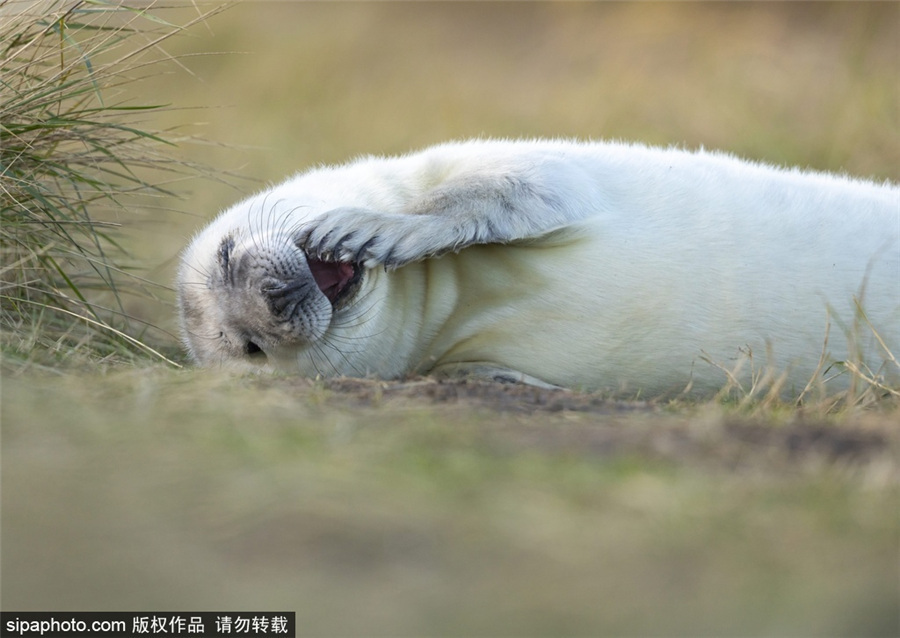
point(353, 321)
point(342, 353)
point(316, 351)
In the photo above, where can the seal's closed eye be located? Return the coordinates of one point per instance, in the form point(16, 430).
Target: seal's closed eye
point(224, 255)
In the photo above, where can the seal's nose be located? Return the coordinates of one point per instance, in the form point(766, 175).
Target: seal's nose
point(284, 297)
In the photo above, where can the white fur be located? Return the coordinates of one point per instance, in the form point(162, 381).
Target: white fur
point(597, 266)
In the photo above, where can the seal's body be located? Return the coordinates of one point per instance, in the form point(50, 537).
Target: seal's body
point(594, 266)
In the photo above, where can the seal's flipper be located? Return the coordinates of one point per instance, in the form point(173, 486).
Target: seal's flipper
point(464, 211)
point(489, 372)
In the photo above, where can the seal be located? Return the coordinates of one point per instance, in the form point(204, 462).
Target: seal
point(597, 266)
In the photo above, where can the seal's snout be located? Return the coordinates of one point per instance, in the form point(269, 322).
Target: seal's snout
point(334, 279)
point(284, 296)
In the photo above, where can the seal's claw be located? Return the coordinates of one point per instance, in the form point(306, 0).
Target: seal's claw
point(368, 237)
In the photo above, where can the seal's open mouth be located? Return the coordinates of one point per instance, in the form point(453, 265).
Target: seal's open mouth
point(335, 279)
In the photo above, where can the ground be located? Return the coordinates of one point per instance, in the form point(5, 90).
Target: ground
point(455, 508)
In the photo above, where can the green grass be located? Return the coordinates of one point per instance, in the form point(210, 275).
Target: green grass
point(442, 509)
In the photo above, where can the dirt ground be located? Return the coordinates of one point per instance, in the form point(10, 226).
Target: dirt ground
point(859, 441)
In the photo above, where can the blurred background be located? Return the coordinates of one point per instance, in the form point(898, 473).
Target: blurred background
point(276, 87)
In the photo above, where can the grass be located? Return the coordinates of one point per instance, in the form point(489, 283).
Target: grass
point(75, 158)
point(418, 508)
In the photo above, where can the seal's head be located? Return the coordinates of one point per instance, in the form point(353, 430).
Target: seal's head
point(248, 294)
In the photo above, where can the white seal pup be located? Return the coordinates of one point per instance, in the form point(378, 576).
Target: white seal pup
point(581, 265)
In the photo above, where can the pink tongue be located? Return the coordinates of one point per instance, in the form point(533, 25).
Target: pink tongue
point(331, 277)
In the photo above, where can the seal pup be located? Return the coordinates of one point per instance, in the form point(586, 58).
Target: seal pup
point(556, 263)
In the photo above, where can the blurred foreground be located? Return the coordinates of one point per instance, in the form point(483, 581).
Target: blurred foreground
point(415, 509)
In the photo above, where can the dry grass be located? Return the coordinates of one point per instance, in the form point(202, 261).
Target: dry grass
point(759, 388)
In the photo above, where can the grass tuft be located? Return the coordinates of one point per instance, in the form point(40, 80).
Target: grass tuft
point(75, 165)
point(758, 388)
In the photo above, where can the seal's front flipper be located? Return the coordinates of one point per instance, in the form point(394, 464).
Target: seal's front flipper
point(489, 372)
point(467, 210)
point(374, 238)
